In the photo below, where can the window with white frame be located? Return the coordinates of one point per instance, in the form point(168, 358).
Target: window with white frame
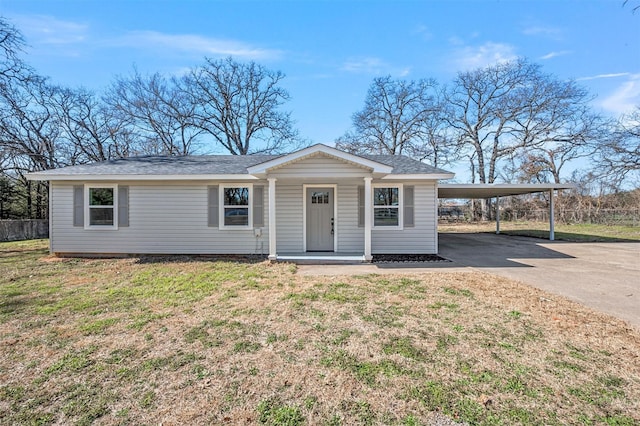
point(387, 204)
point(235, 206)
point(101, 206)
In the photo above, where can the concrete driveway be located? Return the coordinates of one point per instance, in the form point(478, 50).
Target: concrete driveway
point(603, 276)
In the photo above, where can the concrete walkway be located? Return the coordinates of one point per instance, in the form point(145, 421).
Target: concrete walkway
point(603, 276)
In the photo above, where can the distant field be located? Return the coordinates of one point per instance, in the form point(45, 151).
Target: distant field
point(564, 232)
point(193, 341)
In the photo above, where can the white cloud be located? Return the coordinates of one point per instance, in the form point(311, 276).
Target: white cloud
point(545, 31)
point(43, 29)
point(471, 57)
point(53, 34)
point(599, 76)
point(552, 55)
point(625, 97)
point(372, 65)
point(424, 32)
point(192, 43)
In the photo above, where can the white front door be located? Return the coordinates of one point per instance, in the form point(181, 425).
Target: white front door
point(320, 220)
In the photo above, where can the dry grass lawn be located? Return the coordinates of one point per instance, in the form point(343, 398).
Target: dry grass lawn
point(196, 341)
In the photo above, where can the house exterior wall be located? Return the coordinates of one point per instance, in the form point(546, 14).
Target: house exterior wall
point(171, 218)
point(289, 218)
point(350, 236)
point(421, 238)
point(319, 166)
point(164, 218)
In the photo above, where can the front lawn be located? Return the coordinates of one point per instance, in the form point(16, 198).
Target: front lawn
point(197, 341)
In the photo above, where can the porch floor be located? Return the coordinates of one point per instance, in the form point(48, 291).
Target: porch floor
point(325, 258)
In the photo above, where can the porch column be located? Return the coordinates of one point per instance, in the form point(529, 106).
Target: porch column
point(497, 215)
point(551, 218)
point(272, 219)
point(367, 219)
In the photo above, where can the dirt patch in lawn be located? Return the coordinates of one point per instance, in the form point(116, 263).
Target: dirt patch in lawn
point(196, 342)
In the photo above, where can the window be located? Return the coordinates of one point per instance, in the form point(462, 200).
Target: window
point(386, 207)
point(320, 197)
point(235, 207)
point(101, 206)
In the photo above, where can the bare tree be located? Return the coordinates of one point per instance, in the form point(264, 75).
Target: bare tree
point(11, 46)
point(558, 127)
point(634, 6)
point(514, 111)
point(485, 106)
point(436, 143)
point(28, 125)
point(619, 157)
point(31, 135)
point(238, 104)
point(399, 117)
point(93, 130)
point(157, 111)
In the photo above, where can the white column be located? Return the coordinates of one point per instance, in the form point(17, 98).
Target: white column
point(50, 215)
point(367, 219)
point(497, 215)
point(551, 218)
point(272, 219)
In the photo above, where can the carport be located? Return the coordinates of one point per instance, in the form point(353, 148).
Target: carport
point(469, 191)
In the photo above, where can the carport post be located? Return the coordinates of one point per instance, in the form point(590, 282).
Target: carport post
point(497, 215)
point(551, 219)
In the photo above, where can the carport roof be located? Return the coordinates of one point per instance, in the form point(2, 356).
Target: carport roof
point(491, 190)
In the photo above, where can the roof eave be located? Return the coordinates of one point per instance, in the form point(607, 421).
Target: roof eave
point(263, 168)
point(136, 177)
point(419, 176)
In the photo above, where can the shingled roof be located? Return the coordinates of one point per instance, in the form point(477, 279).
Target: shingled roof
point(212, 165)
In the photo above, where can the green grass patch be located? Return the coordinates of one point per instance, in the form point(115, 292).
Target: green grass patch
point(275, 413)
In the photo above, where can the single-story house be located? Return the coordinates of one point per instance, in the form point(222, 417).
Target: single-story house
point(318, 199)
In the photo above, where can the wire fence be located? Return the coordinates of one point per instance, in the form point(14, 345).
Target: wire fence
point(626, 217)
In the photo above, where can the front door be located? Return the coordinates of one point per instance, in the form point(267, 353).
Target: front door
point(320, 220)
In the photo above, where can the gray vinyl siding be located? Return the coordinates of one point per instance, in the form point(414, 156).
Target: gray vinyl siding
point(172, 218)
point(319, 166)
point(422, 237)
point(289, 206)
point(164, 218)
point(289, 218)
point(350, 236)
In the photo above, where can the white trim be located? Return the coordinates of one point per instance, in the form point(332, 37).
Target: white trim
point(87, 207)
point(498, 215)
point(400, 225)
point(419, 176)
point(54, 177)
point(51, 218)
point(304, 213)
point(367, 219)
point(222, 186)
point(490, 190)
point(435, 213)
point(272, 219)
point(552, 232)
point(132, 177)
point(319, 148)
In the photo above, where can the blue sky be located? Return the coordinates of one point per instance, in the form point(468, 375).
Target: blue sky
point(331, 50)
